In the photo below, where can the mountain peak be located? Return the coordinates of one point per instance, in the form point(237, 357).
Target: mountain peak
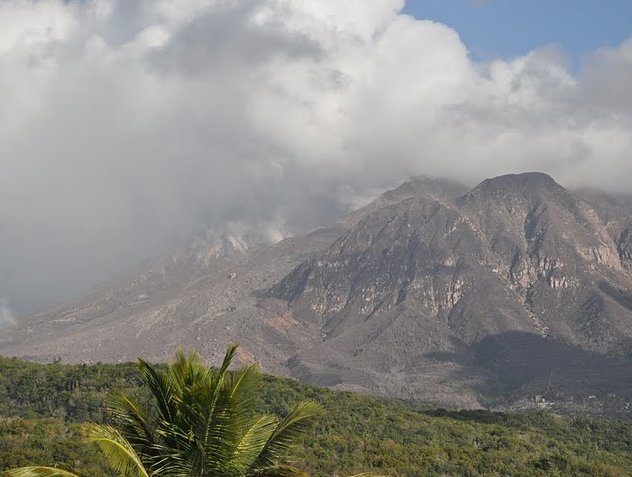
point(521, 181)
point(529, 185)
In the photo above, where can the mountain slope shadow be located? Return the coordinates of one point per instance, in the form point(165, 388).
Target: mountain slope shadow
point(622, 297)
point(520, 364)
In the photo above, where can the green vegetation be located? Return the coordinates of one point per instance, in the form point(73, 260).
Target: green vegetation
point(117, 452)
point(358, 433)
point(207, 422)
point(200, 422)
point(50, 441)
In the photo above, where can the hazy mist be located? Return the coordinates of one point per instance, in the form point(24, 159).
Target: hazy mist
point(126, 126)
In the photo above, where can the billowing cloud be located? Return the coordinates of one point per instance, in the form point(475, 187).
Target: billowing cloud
point(128, 125)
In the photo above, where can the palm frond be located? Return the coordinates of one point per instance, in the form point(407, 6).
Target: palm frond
point(38, 471)
point(219, 427)
point(117, 450)
point(161, 388)
point(175, 462)
point(286, 433)
point(230, 354)
point(244, 385)
point(252, 441)
point(187, 370)
point(133, 420)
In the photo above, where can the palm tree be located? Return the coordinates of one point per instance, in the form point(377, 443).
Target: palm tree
point(201, 423)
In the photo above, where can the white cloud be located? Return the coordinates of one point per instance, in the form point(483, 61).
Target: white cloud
point(30, 28)
point(126, 124)
point(607, 77)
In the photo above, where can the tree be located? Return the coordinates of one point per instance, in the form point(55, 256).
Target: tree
point(201, 422)
point(204, 422)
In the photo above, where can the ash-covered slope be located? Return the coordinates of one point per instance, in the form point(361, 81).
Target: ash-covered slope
point(206, 254)
point(204, 294)
point(151, 313)
point(433, 291)
point(420, 296)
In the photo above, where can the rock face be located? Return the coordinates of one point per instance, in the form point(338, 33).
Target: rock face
point(416, 289)
point(433, 291)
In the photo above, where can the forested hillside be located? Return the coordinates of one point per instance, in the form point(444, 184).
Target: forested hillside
point(42, 405)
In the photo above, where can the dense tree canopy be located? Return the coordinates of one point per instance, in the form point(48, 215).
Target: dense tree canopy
point(357, 433)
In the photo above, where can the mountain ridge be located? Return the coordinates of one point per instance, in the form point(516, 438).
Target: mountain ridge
point(415, 295)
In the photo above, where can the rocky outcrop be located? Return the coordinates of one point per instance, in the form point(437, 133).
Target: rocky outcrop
point(518, 253)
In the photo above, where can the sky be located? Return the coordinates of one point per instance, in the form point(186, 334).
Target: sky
point(511, 28)
point(128, 125)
